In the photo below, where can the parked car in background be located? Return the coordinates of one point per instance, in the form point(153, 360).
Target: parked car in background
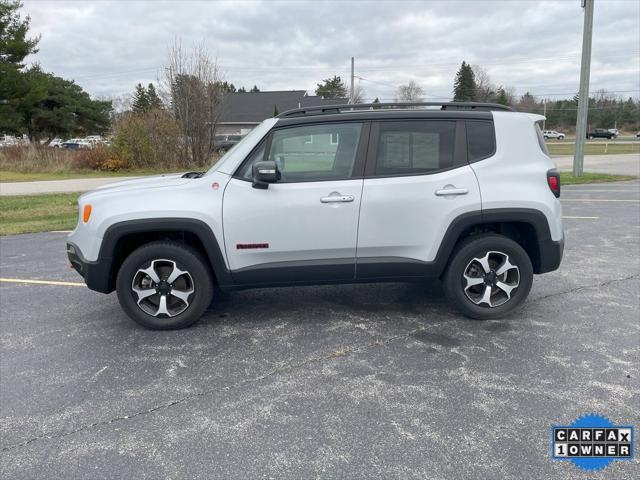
point(12, 141)
point(226, 142)
point(77, 143)
point(7, 141)
point(600, 133)
point(552, 134)
point(95, 140)
point(615, 132)
point(56, 143)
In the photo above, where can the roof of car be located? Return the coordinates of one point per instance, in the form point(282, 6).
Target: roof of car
point(377, 111)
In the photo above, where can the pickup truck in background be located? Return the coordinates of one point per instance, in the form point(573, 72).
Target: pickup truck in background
point(600, 133)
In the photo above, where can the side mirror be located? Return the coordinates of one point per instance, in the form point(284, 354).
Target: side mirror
point(265, 173)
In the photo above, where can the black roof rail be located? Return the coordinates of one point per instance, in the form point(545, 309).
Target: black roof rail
point(353, 107)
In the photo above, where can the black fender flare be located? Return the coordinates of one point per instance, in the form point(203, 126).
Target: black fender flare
point(200, 229)
point(532, 217)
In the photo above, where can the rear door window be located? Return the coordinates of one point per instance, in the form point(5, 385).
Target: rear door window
point(414, 147)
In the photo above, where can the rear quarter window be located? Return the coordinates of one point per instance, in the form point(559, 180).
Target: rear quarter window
point(481, 139)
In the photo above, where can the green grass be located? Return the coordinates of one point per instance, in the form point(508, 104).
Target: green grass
point(38, 213)
point(593, 148)
point(567, 178)
point(11, 176)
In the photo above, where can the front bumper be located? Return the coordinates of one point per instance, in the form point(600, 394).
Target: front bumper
point(97, 275)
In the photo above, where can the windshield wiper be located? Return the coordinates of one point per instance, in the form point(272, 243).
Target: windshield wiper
point(193, 175)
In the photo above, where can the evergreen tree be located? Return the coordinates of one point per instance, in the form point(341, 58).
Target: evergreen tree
point(140, 100)
point(377, 100)
point(501, 96)
point(227, 87)
point(55, 106)
point(152, 98)
point(464, 85)
point(332, 88)
point(255, 89)
point(242, 90)
point(14, 44)
point(14, 47)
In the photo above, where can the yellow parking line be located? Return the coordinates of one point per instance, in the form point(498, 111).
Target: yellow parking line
point(42, 282)
point(581, 218)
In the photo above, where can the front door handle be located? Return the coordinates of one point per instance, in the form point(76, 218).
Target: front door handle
point(451, 191)
point(337, 198)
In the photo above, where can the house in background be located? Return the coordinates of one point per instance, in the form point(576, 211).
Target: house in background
point(241, 112)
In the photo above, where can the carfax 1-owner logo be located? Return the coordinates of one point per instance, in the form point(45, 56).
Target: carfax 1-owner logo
point(592, 442)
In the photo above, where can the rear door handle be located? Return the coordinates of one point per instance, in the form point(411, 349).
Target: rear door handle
point(452, 191)
point(337, 198)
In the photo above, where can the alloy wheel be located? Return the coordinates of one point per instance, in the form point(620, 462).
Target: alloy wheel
point(491, 280)
point(162, 289)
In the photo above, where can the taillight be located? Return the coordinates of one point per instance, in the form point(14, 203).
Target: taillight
point(553, 180)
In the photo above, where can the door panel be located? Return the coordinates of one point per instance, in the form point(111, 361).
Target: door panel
point(290, 222)
point(404, 216)
point(303, 227)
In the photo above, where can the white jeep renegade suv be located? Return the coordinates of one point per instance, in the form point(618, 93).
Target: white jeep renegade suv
point(336, 194)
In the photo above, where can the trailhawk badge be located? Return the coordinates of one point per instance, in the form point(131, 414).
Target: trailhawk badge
point(592, 442)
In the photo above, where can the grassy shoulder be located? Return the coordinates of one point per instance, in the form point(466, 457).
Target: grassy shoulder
point(11, 176)
point(593, 148)
point(38, 213)
point(567, 178)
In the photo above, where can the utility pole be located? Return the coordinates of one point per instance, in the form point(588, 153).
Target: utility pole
point(544, 122)
point(583, 99)
point(351, 87)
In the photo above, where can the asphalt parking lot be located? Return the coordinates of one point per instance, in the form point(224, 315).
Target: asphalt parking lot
point(365, 381)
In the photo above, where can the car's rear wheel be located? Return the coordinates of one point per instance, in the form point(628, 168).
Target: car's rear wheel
point(488, 277)
point(164, 285)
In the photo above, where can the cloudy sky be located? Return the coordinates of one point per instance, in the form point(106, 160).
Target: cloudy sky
point(109, 46)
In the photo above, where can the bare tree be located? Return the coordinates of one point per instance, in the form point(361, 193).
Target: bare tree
point(192, 88)
point(485, 90)
point(411, 92)
point(358, 94)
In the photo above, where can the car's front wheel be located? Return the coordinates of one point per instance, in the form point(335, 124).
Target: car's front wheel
point(488, 277)
point(164, 285)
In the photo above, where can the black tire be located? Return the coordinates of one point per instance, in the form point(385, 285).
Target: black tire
point(475, 247)
point(186, 259)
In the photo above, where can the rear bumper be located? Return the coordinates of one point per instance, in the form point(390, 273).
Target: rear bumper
point(551, 253)
point(95, 274)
